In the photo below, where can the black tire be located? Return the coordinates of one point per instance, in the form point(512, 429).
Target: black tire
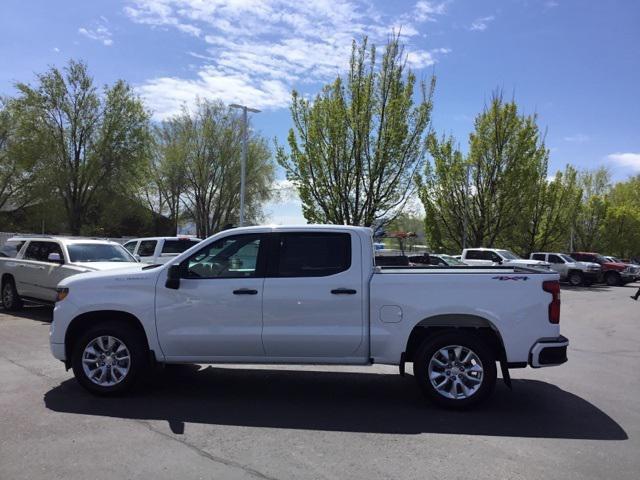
point(10, 298)
point(431, 347)
point(575, 278)
point(134, 342)
point(613, 279)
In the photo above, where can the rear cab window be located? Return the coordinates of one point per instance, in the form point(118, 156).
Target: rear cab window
point(538, 256)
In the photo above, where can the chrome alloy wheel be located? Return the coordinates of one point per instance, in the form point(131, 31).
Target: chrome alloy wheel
point(106, 361)
point(455, 372)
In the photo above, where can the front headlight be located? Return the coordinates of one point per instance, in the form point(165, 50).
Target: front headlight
point(61, 294)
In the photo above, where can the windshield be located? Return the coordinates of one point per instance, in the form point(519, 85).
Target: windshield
point(568, 259)
point(508, 255)
point(98, 252)
point(451, 260)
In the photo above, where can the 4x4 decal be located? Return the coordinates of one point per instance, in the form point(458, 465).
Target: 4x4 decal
point(511, 277)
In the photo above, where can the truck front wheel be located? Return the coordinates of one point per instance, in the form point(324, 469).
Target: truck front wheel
point(109, 357)
point(613, 279)
point(455, 370)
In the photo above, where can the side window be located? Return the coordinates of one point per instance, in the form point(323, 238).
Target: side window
point(494, 257)
point(147, 248)
point(313, 254)
point(40, 251)
point(474, 255)
point(539, 256)
point(555, 259)
point(131, 246)
point(177, 246)
point(230, 257)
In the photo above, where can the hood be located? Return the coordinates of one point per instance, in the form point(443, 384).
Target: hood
point(103, 278)
point(101, 266)
point(616, 265)
point(589, 265)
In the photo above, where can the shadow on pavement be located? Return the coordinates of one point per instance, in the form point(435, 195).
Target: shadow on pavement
point(38, 313)
point(339, 401)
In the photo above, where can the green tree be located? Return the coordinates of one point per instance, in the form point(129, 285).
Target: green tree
point(589, 223)
point(479, 199)
point(621, 229)
point(16, 171)
point(206, 145)
point(355, 149)
point(547, 218)
point(91, 142)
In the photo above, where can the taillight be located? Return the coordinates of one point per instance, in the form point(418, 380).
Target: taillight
point(553, 287)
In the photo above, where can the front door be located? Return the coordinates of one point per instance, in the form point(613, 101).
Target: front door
point(217, 309)
point(313, 296)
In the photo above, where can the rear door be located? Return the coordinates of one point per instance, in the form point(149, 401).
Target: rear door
point(313, 296)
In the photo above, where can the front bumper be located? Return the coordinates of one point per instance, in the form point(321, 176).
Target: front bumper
point(548, 352)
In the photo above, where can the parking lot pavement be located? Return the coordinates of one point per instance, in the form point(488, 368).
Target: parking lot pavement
point(580, 420)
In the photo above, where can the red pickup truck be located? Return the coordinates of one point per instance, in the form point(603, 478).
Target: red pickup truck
point(613, 273)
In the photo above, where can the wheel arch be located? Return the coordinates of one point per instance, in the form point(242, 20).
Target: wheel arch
point(476, 324)
point(84, 321)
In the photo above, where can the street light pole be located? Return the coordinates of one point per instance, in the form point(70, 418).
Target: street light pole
point(243, 160)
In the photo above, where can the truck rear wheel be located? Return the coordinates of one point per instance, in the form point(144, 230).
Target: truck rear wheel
point(575, 278)
point(10, 298)
point(455, 369)
point(109, 357)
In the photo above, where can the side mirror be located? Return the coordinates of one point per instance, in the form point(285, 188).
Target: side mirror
point(173, 277)
point(54, 257)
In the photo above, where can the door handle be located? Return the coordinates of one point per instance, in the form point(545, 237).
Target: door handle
point(245, 291)
point(344, 291)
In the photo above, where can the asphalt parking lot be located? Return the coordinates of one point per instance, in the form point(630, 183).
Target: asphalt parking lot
point(580, 420)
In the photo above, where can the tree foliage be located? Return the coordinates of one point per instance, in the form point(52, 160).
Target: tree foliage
point(493, 194)
point(197, 165)
point(88, 141)
point(354, 150)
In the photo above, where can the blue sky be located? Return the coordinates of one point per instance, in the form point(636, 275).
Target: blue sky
point(576, 63)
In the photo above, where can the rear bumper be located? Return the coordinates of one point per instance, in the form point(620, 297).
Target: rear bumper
point(549, 352)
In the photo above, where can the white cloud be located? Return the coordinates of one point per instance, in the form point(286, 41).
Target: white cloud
point(98, 31)
point(631, 160)
point(551, 4)
point(256, 51)
point(56, 49)
point(577, 138)
point(427, 11)
point(481, 24)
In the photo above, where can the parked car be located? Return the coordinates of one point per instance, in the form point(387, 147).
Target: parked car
point(613, 273)
point(308, 295)
point(159, 250)
point(634, 266)
point(40, 263)
point(570, 270)
point(497, 256)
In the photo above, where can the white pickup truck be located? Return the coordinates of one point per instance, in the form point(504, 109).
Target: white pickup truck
point(33, 266)
point(158, 250)
point(499, 256)
point(308, 295)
